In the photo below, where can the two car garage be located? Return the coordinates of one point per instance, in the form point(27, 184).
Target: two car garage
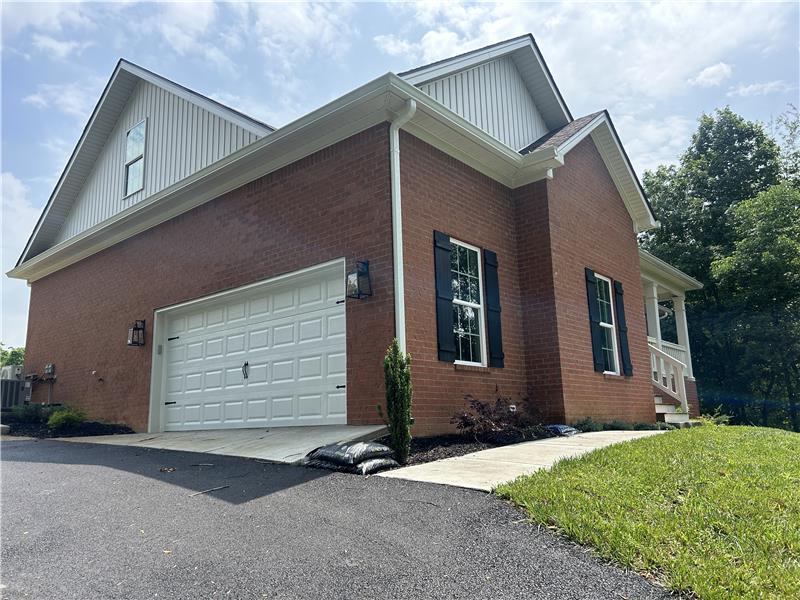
point(271, 353)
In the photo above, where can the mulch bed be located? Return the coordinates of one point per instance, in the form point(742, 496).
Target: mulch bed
point(428, 449)
point(41, 430)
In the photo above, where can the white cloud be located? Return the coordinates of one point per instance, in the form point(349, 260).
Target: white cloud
point(72, 99)
point(59, 48)
point(184, 25)
point(601, 53)
point(288, 34)
point(651, 142)
point(17, 218)
point(712, 76)
point(47, 16)
point(761, 89)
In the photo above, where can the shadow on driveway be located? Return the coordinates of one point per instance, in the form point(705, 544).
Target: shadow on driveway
point(241, 479)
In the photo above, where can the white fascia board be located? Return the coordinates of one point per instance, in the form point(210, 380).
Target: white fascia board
point(470, 59)
point(220, 110)
point(663, 273)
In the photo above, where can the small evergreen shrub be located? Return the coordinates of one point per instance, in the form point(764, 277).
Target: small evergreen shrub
point(31, 413)
point(397, 376)
point(65, 419)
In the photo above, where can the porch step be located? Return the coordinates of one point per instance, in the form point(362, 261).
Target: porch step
point(676, 418)
point(665, 408)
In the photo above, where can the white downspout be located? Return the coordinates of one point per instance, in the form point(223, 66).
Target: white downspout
point(397, 221)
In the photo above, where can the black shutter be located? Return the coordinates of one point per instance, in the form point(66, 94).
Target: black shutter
point(444, 297)
point(622, 327)
point(594, 320)
point(493, 327)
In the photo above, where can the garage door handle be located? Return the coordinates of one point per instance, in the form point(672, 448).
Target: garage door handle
point(168, 403)
point(245, 368)
point(340, 387)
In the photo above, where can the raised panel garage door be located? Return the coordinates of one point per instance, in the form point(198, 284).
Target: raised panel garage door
point(271, 354)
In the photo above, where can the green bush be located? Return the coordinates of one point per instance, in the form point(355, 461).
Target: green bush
point(65, 419)
point(31, 413)
point(587, 425)
point(397, 375)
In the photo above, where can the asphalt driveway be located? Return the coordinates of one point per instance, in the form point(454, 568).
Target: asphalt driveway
point(100, 522)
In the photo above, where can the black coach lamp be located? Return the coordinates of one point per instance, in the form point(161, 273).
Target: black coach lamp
point(136, 334)
point(358, 283)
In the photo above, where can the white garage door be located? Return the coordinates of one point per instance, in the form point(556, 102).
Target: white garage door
point(273, 354)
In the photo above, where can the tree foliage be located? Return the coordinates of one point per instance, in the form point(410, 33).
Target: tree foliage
point(397, 376)
point(11, 355)
point(729, 217)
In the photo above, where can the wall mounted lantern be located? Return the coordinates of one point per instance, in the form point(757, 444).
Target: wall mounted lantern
point(358, 283)
point(136, 334)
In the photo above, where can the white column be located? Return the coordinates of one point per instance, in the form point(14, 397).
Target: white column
point(651, 310)
point(679, 307)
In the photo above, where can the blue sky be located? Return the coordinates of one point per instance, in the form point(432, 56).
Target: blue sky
point(655, 66)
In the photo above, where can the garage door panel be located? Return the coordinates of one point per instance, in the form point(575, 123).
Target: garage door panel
point(292, 335)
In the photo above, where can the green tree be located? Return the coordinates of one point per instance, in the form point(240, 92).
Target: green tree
point(397, 376)
point(761, 279)
point(729, 162)
point(11, 355)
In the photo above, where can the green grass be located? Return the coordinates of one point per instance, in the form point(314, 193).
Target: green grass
point(713, 511)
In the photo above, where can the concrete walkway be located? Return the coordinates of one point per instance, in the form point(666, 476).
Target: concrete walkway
point(276, 444)
point(487, 469)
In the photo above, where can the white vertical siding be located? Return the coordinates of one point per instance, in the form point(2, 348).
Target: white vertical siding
point(181, 138)
point(492, 96)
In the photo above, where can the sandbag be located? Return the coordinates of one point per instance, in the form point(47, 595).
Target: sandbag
point(324, 464)
point(562, 430)
point(351, 454)
point(373, 465)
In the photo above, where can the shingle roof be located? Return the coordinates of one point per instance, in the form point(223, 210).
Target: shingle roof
point(558, 136)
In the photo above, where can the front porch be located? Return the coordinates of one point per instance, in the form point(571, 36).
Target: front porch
point(671, 370)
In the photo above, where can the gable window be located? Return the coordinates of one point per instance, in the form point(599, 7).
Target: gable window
point(608, 334)
point(134, 159)
point(466, 280)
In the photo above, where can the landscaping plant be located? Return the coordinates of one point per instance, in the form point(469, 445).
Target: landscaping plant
point(65, 419)
point(498, 421)
point(397, 375)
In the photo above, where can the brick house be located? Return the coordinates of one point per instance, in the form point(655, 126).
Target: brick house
point(195, 268)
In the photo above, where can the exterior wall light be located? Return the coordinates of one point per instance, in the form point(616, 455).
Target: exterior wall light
point(136, 334)
point(358, 282)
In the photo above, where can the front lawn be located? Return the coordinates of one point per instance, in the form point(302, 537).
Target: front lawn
point(713, 511)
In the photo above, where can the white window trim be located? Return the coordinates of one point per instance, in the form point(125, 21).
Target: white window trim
point(612, 326)
point(128, 163)
point(481, 308)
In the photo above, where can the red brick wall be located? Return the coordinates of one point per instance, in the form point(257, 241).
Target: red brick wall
point(540, 329)
point(692, 398)
point(441, 193)
point(590, 227)
point(334, 203)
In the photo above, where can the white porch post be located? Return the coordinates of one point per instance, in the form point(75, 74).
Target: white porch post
point(681, 325)
point(651, 310)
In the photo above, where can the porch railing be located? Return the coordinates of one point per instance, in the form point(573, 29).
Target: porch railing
point(674, 350)
point(668, 375)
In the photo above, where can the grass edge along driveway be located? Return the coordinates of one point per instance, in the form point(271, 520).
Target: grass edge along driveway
point(712, 511)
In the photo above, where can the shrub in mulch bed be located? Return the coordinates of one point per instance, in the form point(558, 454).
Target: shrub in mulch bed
point(41, 430)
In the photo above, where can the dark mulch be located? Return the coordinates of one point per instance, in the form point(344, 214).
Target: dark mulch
point(428, 449)
point(41, 430)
